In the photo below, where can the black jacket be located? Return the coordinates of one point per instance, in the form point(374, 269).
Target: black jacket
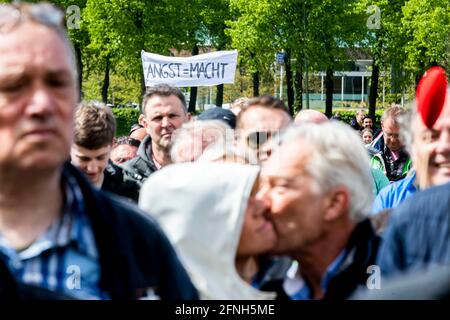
point(115, 182)
point(362, 248)
point(142, 166)
point(11, 290)
point(355, 125)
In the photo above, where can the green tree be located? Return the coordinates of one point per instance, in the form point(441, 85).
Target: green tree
point(214, 15)
point(334, 27)
point(259, 29)
point(426, 29)
point(385, 42)
point(252, 32)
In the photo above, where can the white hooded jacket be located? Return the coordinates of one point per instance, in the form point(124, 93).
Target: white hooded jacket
point(201, 208)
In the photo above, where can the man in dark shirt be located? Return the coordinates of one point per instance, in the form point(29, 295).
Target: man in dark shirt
point(164, 110)
point(95, 127)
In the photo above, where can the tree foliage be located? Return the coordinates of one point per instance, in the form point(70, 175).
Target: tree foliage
point(413, 35)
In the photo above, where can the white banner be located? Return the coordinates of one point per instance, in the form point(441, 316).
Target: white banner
point(207, 69)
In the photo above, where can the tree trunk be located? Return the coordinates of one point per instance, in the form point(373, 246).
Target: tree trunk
point(298, 86)
point(219, 95)
point(193, 93)
point(255, 79)
point(219, 92)
point(329, 85)
point(192, 99)
point(105, 86)
point(289, 82)
point(79, 70)
point(373, 94)
point(143, 87)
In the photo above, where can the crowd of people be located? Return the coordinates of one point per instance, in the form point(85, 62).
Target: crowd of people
point(246, 203)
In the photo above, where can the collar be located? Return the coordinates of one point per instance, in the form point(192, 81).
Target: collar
point(297, 288)
point(157, 164)
point(401, 153)
point(69, 229)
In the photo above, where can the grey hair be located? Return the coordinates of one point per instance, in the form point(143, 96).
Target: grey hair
point(406, 123)
point(339, 158)
point(24, 12)
point(229, 150)
point(394, 113)
point(182, 135)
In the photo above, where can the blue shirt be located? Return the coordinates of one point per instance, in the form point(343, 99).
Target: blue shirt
point(297, 288)
point(64, 259)
point(394, 194)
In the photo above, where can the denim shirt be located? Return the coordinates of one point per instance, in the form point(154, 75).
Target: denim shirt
point(64, 258)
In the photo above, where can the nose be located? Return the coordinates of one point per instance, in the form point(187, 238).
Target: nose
point(263, 195)
point(92, 167)
point(165, 122)
point(41, 102)
point(443, 145)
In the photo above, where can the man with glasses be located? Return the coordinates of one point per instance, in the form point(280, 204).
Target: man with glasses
point(259, 124)
point(389, 153)
point(57, 232)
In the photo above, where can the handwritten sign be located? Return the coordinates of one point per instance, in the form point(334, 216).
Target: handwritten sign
point(207, 69)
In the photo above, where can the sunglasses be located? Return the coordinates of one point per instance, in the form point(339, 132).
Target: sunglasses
point(43, 13)
point(257, 138)
point(134, 142)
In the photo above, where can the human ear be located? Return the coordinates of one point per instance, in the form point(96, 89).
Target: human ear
point(337, 203)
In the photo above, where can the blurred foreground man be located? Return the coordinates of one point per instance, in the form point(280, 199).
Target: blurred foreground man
point(318, 187)
point(57, 232)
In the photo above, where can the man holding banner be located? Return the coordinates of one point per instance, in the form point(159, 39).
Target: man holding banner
point(164, 109)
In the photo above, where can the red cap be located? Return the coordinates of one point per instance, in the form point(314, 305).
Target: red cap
point(430, 95)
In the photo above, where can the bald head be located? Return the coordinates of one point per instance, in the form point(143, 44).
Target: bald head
point(310, 116)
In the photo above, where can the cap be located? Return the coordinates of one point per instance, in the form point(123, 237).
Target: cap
point(218, 113)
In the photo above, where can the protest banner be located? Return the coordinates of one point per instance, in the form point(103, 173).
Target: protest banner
point(201, 70)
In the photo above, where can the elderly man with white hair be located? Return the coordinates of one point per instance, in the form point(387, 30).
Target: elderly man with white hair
point(194, 138)
point(319, 198)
